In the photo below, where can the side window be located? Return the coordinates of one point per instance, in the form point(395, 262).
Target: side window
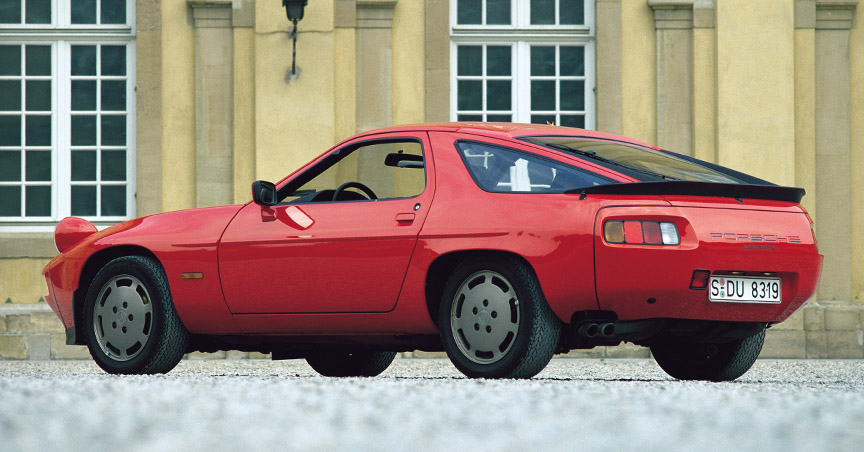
point(378, 170)
point(498, 169)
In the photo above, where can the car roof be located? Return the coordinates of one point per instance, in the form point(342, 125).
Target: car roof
point(506, 130)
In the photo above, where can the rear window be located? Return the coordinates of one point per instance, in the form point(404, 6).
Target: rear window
point(499, 169)
point(644, 164)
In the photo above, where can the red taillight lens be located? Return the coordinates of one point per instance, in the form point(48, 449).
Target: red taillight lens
point(699, 281)
point(634, 232)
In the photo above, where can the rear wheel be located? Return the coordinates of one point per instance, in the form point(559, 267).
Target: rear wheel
point(130, 323)
point(494, 320)
point(712, 362)
point(350, 364)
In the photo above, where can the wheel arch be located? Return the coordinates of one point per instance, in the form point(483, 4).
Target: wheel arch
point(442, 267)
point(94, 263)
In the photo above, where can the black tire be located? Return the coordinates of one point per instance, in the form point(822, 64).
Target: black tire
point(350, 364)
point(515, 333)
point(711, 362)
point(130, 324)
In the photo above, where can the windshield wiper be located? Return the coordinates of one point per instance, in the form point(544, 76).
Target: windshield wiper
point(593, 155)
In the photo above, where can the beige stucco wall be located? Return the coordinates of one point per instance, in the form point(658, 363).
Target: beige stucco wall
point(856, 55)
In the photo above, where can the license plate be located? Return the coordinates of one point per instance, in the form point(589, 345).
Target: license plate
point(744, 289)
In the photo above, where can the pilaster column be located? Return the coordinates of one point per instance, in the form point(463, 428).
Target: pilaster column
point(833, 19)
point(214, 101)
point(673, 20)
point(374, 64)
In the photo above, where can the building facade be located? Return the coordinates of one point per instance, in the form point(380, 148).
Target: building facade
point(112, 109)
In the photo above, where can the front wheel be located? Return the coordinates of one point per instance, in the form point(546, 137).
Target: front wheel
point(350, 364)
point(711, 362)
point(130, 323)
point(495, 322)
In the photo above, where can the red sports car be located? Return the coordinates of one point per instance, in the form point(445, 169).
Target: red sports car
point(501, 244)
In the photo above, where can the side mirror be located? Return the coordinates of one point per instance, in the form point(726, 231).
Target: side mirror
point(264, 193)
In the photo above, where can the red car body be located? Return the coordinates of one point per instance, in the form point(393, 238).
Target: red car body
point(254, 276)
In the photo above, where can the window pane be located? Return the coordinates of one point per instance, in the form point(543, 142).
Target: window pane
point(10, 166)
point(83, 95)
point(113, 11)
point(38, 60)
point(468, 12)
point(572, 12)
point(83, 165)
point(497, 12)
point(542, 12)
point(499, 118)
point(114, 165)
point(113, 60)
point(573, 121)
point(543, 119)
point(470, 60)
point(113, 95)
point(542, 95)
point(83, 131)
point(543, 60)
point(470, 95)
point(10, 12)
point(10, 95)
point(10, 131)
point(38, 201)
point(10, 60)
point(113, 200)
point(499, 169)
point(10, 201)
point(38, 95)
point(38, 166)
point(498, 95)
point(38, 131)
point(83, 201)
point(114, 130)
point(83, 11)
point(469, 118)
point(498, 60)
point(572, 61)
point(83, 60)
point(572, 95)
point(38, 12)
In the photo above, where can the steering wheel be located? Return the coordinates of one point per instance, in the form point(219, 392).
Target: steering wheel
point(368, 191)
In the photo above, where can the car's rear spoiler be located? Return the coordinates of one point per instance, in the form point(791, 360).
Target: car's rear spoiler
point(772, 192)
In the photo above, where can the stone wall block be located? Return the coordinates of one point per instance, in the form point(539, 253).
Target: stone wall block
point(236, 354)
point(845, 344)
point(628, 351)
point(434, 355)
point(814, 318)
point(14, 346)
point(19, 323)
point(46, 322)
point(596, 352)
point(817, 344)
point(2, 324)
point(258, 355)
point(59, 349)
point(795, 322)
point(198, 356)
point(40, 347)
point(842, 318)
point(784, 344)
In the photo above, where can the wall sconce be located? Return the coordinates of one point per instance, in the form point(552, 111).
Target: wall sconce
point(294, 10)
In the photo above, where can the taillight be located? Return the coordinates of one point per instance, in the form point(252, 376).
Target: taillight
point(641, 232)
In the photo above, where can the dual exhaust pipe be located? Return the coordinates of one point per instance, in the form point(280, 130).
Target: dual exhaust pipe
point(592, 330)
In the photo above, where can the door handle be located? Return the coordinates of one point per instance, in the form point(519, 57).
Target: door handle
point(405, 218)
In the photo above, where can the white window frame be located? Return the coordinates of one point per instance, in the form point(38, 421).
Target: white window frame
point(61, 34)
point(521, 35)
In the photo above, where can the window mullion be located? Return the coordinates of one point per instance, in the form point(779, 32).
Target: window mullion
point(64, 155)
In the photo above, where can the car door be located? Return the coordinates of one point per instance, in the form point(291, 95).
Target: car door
point(319, 253)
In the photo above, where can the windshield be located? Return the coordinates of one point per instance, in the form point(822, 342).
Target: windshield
point(645, 164)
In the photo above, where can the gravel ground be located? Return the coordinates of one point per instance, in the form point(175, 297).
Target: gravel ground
point(425, 404)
